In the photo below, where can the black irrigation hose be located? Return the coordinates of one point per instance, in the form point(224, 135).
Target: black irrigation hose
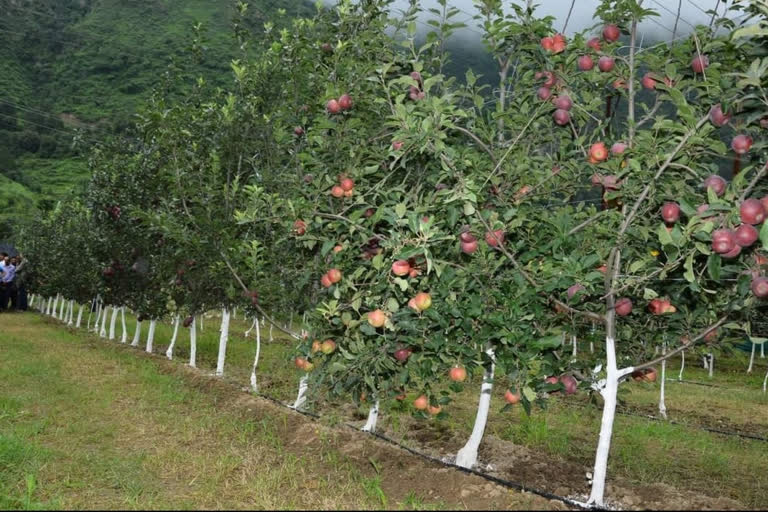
point(697, 383)
point(500, 481)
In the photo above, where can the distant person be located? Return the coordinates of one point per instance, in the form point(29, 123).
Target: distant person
point(21, 283)
point(7, 282)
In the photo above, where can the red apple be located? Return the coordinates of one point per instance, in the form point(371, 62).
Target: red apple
point(746, 235)
point(397, 145)
point(670, 212)
point(544, 93)
point(512, 398)
point(716, 183)
point(586, 63)
point(606, 64)
point(467, 236)
point(741, 144)
point(300, 362)
point(661, 307)
point(337, 191)
point(377, 318)
point(338, 249)
point(347, 184)
point(423, 301)
point(421, 403)
point(611, 33)
point(764, 201)
point(648, 81)
point(333, 107)
point(620, 83)
point(402, 354)
point(415, 272)
point(598, 152)
point(723, 241)
point(594, 43)
point(570, 384)
point(326, 281)
point(563, 102)
point(494, 238)
point(334, 275)
point(458, 374)
point(623, 306)
point(300, 227)
point(328, 346)
point(316, 346)
point(752, 212)
point(558, 43)
point(434, 410)
point(760, 287)
point(401, 268)
point(547, 43)
point(551, 380)
point(416, 76)
point(699, 63)
point(618, 148)
point(718, 117)
point(298, 131)
point(345, 102)
point(574, 289)
point(326, 47)
point(561, 117)
point(468, 247)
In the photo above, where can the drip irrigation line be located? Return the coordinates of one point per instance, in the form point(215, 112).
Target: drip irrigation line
point(697, 383)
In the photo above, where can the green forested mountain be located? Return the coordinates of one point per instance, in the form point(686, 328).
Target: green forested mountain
point(86, 65)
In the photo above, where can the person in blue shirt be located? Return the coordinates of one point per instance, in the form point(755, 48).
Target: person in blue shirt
point(8, 283)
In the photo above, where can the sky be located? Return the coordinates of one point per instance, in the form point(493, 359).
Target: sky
point(692, 12)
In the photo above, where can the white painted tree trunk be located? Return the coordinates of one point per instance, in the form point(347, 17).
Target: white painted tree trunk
point(113, 323)
point(137, 334)
point(62, 315)
point(762, 350)
point(124, 337)
point(192, 344)
point(373, 417)
point(662, 403)
point(682, 365)
point(70, 312)
point(301, 398)
point(573, 341)
point(79, 316)
point(169, 352)
point(90, 312)
point(765, 381)
point(711, 364)
point(254, 383)
point(201, 321)
point(54, 308)
point(103, 328)
point(151, 335)
point(467, 456)
point(223, 337)
point(262, 321)
point(706, 362)
point(270, 329)
point(751, 359)
point(48, 307)
point(234, 313)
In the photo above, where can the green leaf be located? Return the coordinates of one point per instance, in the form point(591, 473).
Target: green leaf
point(529, 393)
point(392, 305)
point(764, 235)
point(400, 210)
point(664, 237)
point(649, 294)
point(469, 209)
point(548, 342)
point(378, 261)
point(688, 265)
point(402, 283)
point(713, 266)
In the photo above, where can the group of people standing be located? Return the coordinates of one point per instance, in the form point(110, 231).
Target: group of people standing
point(13, 292)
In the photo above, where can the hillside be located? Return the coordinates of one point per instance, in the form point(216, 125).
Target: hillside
point(86, 65)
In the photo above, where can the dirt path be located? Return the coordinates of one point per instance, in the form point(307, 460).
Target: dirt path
point(91, 424)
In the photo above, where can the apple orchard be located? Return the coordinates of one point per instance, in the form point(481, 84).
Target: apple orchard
point(429, 228)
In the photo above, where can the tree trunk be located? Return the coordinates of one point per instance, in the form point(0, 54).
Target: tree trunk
point(662, 403)
point(169, 352)
point(192, 344)
point(573, 342)
point(201, 321)
point(224, 336)
point(103, 328)
point(751, 359)
point(682, 365)
point(113, 323)
point(124, 337)
point(53, 308)
point(762, 350)
point(301, 398)
point(151, 335)
point(79, 316)
point(253, 324)
point(71, 313)
point(765, 381)
point(711, 364)
point(137, 334)
point(254, 384)
point(270, 329)
point(373, 416)
point(467, 456)
point(61, 309)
